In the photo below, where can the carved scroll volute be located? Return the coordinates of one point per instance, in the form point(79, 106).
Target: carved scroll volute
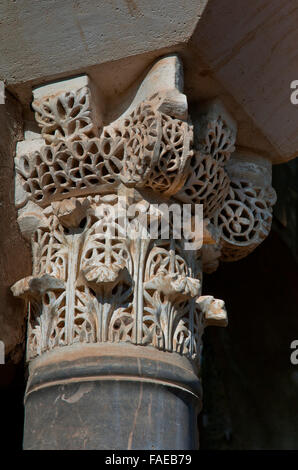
point(244, 220)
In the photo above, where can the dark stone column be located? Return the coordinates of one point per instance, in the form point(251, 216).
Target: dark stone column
point(112, 397)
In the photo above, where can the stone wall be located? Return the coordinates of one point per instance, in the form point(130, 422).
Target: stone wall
point(15, 260)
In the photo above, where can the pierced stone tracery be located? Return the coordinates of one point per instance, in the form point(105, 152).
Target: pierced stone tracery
point(147, 148)
point(244, 219)
point(92, 280)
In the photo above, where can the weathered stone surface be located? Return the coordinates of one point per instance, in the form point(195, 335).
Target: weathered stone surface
point(15, 259)
point(166, 78)
point(118, 397)
point(250, 47)
point(98, 32)
point(127, 37)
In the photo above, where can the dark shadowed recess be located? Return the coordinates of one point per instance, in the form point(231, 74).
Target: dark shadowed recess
point(250, 386)
point(12, 389)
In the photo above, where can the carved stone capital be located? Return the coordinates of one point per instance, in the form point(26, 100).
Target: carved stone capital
point(93, 280)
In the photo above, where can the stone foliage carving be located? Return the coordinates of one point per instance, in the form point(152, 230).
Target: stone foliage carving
point(66, 117)
point(207, 183)
point(145, 149)
point(89, 286)
point(92, 280)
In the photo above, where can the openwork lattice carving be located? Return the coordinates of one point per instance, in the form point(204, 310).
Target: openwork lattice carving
point(219, 140)
point(207, 183)
point(148, 148)
point(67, 116)
point(245, 219)
point(95, 281)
